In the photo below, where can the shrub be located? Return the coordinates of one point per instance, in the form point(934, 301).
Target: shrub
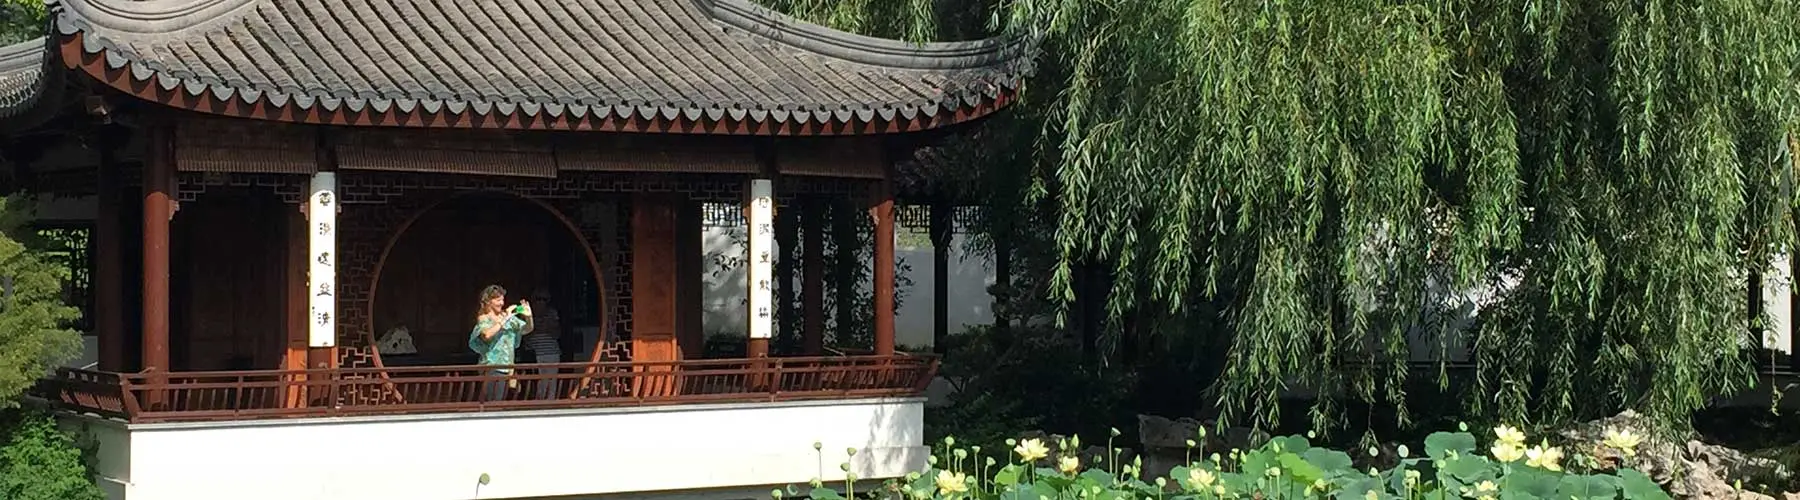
point(1453, 466)
point(39, 461)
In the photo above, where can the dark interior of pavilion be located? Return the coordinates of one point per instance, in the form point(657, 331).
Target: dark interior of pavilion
point(431, 277)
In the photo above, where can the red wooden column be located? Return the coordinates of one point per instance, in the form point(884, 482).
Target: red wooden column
point(109, 279)
point(690, 254)
point(653, 290)
point(812, 281)
point(159, 209)
point(295, 283)
point(883, 212)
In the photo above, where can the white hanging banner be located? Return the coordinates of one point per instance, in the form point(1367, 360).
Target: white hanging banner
point(321, 214)
point(761, 219)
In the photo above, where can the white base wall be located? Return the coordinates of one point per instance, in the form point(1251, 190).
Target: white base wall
point(526, 454)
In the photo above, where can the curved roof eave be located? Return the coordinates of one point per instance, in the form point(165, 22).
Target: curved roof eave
point(28, 81)
point(816, 81)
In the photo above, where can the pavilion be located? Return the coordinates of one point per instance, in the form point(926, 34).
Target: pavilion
point(274, 184)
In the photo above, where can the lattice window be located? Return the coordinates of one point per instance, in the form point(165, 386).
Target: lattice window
point(730, 215)
point(69, 246)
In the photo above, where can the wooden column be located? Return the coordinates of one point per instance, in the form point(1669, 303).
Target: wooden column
point(883, 213)
point(844, 282)
point(812, 281)
point(759, 283)
point(1003, 282)
point(109, 279)
point(653, 284)
point(941, 224)
point(322, 256)
point(787, 243)
point(690, 263)
point(294, 283)
point(159, 209)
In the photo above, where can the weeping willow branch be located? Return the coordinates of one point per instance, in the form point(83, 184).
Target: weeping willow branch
point(1611, 169)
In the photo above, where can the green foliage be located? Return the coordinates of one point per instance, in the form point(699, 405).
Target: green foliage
point(1320, 167)
point(21, 20)
point(1036, 381)
point(40, 462)
point(1288, 467)
point(34, 333)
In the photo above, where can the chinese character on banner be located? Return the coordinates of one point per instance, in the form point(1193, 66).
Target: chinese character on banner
point(762, 202)
point(765, 228)
point(764, 258)
point(763, 284)
point(324, 318)
point(762, 312)
point(324, 258)
point(324, 290)
point(325, 198)
point(324, 228)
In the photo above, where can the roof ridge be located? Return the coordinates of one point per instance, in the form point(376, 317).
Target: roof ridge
point(792, 31)
point(27, 54)
point(147, 16)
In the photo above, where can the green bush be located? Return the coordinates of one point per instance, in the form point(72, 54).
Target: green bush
point(1454, 465)
point(39, 461)
point(1034, 379)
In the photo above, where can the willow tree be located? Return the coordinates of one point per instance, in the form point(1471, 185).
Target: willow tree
point(1616, 168)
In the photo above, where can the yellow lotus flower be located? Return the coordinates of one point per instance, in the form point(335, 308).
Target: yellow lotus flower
point(1549, 459)
point(1031, 450)
point(1624, 441)
point(1509, 435)
point(1486, 487)
point(1372, 495)
point(1507, 452)
point(1199, 479)
point(1069, 465)
point(952, 482)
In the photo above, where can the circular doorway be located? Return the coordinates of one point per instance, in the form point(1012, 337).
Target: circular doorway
point(436, 263)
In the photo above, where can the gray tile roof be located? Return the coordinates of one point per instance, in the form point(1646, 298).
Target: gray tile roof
point(22, 82)
point(575, 58)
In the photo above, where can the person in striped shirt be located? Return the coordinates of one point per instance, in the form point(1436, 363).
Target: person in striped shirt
point(544, 341)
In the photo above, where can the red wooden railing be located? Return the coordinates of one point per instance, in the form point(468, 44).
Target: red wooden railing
point(242, 395)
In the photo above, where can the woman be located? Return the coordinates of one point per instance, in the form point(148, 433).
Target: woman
point(495, 337)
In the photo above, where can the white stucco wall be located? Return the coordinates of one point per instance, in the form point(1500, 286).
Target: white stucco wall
point(613, 452)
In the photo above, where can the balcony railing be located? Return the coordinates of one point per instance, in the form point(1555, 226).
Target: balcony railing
point(244, 395)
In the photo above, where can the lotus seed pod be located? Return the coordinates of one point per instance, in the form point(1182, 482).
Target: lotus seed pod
point(1114, 431)
point(818, 445)
point(1190, 443)
point(775, 493)
point(850, 451)
point(949, 440)
point(844, 466)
